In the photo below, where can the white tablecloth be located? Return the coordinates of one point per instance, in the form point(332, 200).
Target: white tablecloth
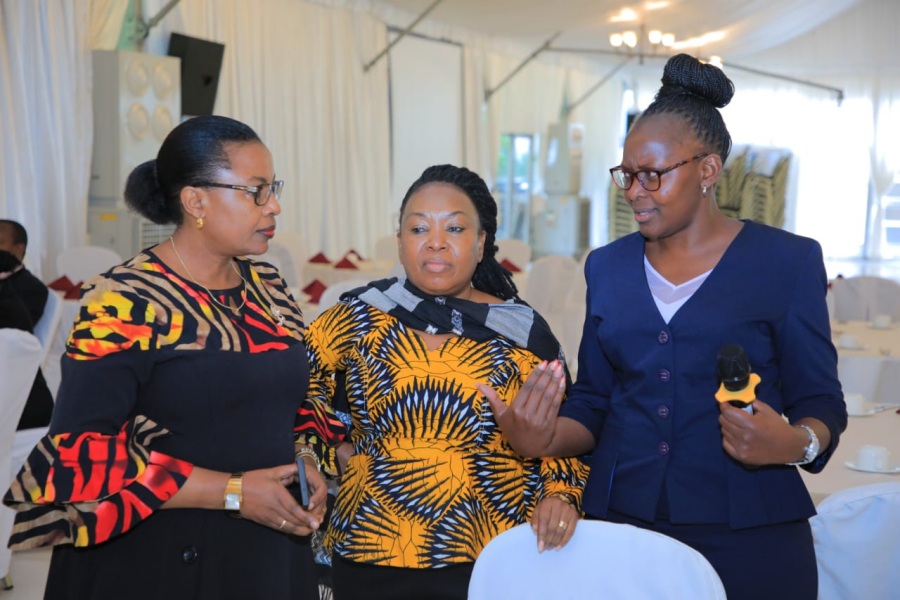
point(873, 368)
point(882, 429)
point(369, 270)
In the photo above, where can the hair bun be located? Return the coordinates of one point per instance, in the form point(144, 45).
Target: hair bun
point(685, 75)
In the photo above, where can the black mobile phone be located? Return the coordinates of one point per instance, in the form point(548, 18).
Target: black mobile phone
point(304, 484)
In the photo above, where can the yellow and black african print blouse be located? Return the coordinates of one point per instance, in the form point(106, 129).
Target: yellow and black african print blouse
point(157, 379)
point(432, 479)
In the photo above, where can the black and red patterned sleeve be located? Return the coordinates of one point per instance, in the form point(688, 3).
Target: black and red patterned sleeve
point(95, 475)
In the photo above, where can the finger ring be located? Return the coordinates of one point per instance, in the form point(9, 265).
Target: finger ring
point(563, 524)
point(283, 523)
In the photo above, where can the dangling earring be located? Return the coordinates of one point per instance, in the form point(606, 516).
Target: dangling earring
point(200, 220)
point(704, 190)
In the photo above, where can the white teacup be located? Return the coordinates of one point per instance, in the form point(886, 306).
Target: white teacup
point(848, 340)
point(881, 321)
point(873, 458)
point(856, 403)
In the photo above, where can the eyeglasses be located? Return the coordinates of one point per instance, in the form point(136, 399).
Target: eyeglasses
point(261, 193)
point(650, 180)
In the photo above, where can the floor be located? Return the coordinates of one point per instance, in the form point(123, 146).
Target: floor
point(29, 571)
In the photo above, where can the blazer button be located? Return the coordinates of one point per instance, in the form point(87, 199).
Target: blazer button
point(663, 411)
point(664, 375)
point(663, 448)
point(189, 554)
point(663, 337)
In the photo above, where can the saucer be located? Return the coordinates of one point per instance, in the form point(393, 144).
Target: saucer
point(889, 471)
point(866, 412)
point(856, 347)
point(874, 326)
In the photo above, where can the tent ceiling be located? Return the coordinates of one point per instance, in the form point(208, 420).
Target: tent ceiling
point(748, 26)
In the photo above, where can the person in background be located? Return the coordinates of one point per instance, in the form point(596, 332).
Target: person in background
point(661, 303)
point(29, 289)
point(14, 314)
point(165, 471)
point(430, 479)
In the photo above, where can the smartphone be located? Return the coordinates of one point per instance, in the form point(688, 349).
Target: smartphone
point(304, 484)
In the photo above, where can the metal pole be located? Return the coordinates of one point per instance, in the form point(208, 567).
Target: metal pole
point(597, 86)
point(837, 91)
point(545, 46)
point(403, 33)
point(145, 27)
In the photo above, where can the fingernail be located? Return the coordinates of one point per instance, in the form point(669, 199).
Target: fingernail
point(540, 545)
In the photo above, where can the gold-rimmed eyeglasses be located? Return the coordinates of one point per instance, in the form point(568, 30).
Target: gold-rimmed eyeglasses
point(650, 179)
point(261, 193)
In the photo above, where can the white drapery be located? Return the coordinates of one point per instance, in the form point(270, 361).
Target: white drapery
point(45, 123)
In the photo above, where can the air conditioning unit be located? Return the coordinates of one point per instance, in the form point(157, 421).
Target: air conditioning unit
point(562, 167)
point(124, 231)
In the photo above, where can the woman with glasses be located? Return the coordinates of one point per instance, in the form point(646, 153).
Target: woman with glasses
point(166, 467)
point(669, 451)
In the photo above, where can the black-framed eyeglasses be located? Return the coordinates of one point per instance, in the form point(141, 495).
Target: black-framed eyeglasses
point(650, 179)
point(261, 193)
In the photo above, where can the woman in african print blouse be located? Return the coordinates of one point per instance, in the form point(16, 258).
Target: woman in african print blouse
point(171, 445)
point(431, 479)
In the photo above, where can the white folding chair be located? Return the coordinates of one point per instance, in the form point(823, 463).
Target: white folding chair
point(20, 355)
point(514, 250)
point(862, 298)
point(332, 293)
point(602, 560)
point(80, 263)
point(46, 326)
point(857, 538)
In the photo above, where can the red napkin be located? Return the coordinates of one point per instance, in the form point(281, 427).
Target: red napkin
point(509, 266)
point(345, 263)
point(61, 284)
point(314, 290)
point(74, 293)
point(352, 252)
point(71, 291)
point(319, 258)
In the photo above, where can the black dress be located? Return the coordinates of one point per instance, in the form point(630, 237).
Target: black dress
point(158, 379)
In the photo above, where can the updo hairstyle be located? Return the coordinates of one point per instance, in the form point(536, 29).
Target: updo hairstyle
point(191, 154)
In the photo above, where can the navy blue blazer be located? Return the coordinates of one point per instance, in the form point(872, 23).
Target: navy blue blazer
point(645, 389)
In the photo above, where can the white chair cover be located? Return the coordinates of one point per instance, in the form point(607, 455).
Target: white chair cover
point(46, 326)
point(550, 280)
point(386, 248)
point(889, 383)
point(862, 298)
point(332, 293)
point(20, 355)
point(292, 255)
point(80, 263)
point(857, 538)
point(602, 560)
point(517, 251)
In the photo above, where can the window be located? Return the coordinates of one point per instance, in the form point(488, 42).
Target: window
point(514, 185)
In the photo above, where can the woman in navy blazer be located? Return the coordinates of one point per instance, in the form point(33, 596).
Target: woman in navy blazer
point(661, 303)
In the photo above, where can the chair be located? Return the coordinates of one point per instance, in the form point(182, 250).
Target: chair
point(386, 248)
point(20, 355)
point(862, 298)
point(47, 325)
point(856, 533)
point(602, 560)
point(515, 251)
point(332, 293)
point(549, 281)
point(293, 252)
point(888, 387)
point(80, 263)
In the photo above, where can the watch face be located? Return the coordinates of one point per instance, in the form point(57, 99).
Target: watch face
point(232, 502)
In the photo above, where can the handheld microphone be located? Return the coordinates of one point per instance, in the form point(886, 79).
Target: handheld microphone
point(738, 383)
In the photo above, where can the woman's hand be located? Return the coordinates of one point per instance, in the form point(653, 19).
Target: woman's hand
point(553, 522)
point(529, 422)
point(265, 499)
point(763, 438)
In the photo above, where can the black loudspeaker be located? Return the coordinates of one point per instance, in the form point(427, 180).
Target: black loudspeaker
point(201, 63)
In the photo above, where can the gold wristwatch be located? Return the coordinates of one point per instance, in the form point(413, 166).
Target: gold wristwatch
point(233, 495)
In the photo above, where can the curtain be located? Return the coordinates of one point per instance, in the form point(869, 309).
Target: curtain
point(45, 123)
point(294, 72)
